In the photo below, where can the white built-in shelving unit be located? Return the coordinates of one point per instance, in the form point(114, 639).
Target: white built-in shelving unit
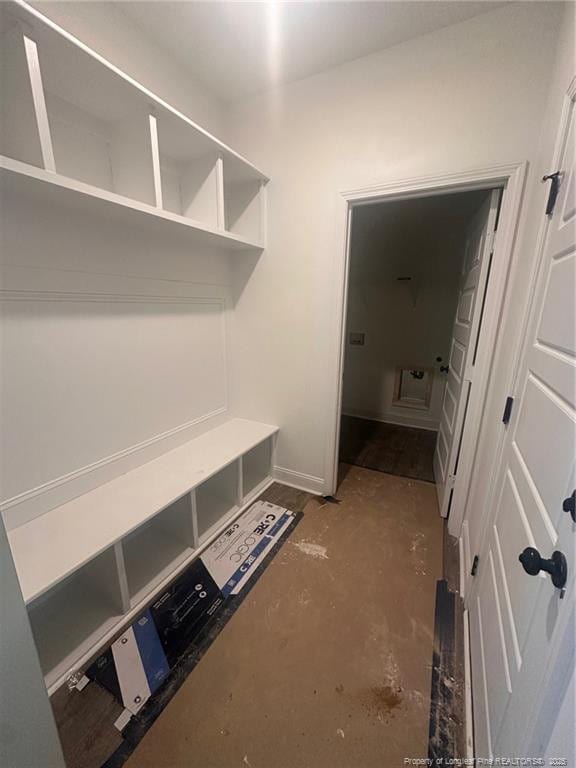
point(76, 129)
point(77, 132)
point(88, 566)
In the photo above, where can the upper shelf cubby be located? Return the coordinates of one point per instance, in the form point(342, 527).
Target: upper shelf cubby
point(109, 149)
point(190, 171)
point(244, 212)
point(68, 111)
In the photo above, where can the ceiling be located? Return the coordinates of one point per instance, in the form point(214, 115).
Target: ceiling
point(237, 49)
point(411, 237)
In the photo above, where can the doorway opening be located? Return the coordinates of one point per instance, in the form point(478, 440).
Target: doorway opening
point(418, 275)
point(509, 181)
point(506, 182)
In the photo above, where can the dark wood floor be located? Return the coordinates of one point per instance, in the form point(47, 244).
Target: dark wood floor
point(388, 448)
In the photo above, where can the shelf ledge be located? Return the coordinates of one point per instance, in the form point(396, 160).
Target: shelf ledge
point(20, 178)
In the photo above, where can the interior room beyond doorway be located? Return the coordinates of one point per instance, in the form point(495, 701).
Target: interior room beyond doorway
point(406, 263)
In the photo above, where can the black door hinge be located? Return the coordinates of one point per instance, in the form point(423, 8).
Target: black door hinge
point(553, 194)
point(474, 565)
point(507, 410)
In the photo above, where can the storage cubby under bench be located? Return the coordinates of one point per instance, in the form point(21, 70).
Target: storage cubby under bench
point(111, 549)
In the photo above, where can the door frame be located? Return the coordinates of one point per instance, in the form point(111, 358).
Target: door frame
point(511, 178)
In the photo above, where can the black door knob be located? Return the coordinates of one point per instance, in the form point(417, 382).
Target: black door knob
point(569, 505)
point(556, 566)
point(444, 368)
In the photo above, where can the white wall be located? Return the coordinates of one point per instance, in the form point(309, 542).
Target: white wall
point(104, 28)
point(470, 95)
point(114, 349)
point(406, 323)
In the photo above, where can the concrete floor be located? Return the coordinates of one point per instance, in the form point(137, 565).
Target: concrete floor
point(327, 663)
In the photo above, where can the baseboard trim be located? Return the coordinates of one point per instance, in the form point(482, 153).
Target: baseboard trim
point(299, 480)
point(462, 566)
point(442, 728)
point(428, 425)
point(468, 691)
point(465, 558)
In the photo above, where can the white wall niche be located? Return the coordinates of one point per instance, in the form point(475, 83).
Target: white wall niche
point(256, 468)
point(216, 500)
point(74, 614)
point(157, 547)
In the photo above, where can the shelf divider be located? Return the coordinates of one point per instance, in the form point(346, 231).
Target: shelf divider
point(156, 160)
point(241, 495)
point(132, 160)
point(263, 200)
point(39, 104)
point(122, 576)
point(193, 511)
point(220, 208)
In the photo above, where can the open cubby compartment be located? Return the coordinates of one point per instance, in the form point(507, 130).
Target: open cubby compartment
point(190, 171)
point(19, 134)
point(243, 200)
point(99, 123)
point(72, 616)
point(216, 500)
point(256, 468)
point(157, 547)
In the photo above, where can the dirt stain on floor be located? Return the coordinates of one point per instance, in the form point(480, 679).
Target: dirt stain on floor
point(381, 701)
point(386, 698)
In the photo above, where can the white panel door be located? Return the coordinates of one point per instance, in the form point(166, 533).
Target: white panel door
point(472, 290)
point(516, 619)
